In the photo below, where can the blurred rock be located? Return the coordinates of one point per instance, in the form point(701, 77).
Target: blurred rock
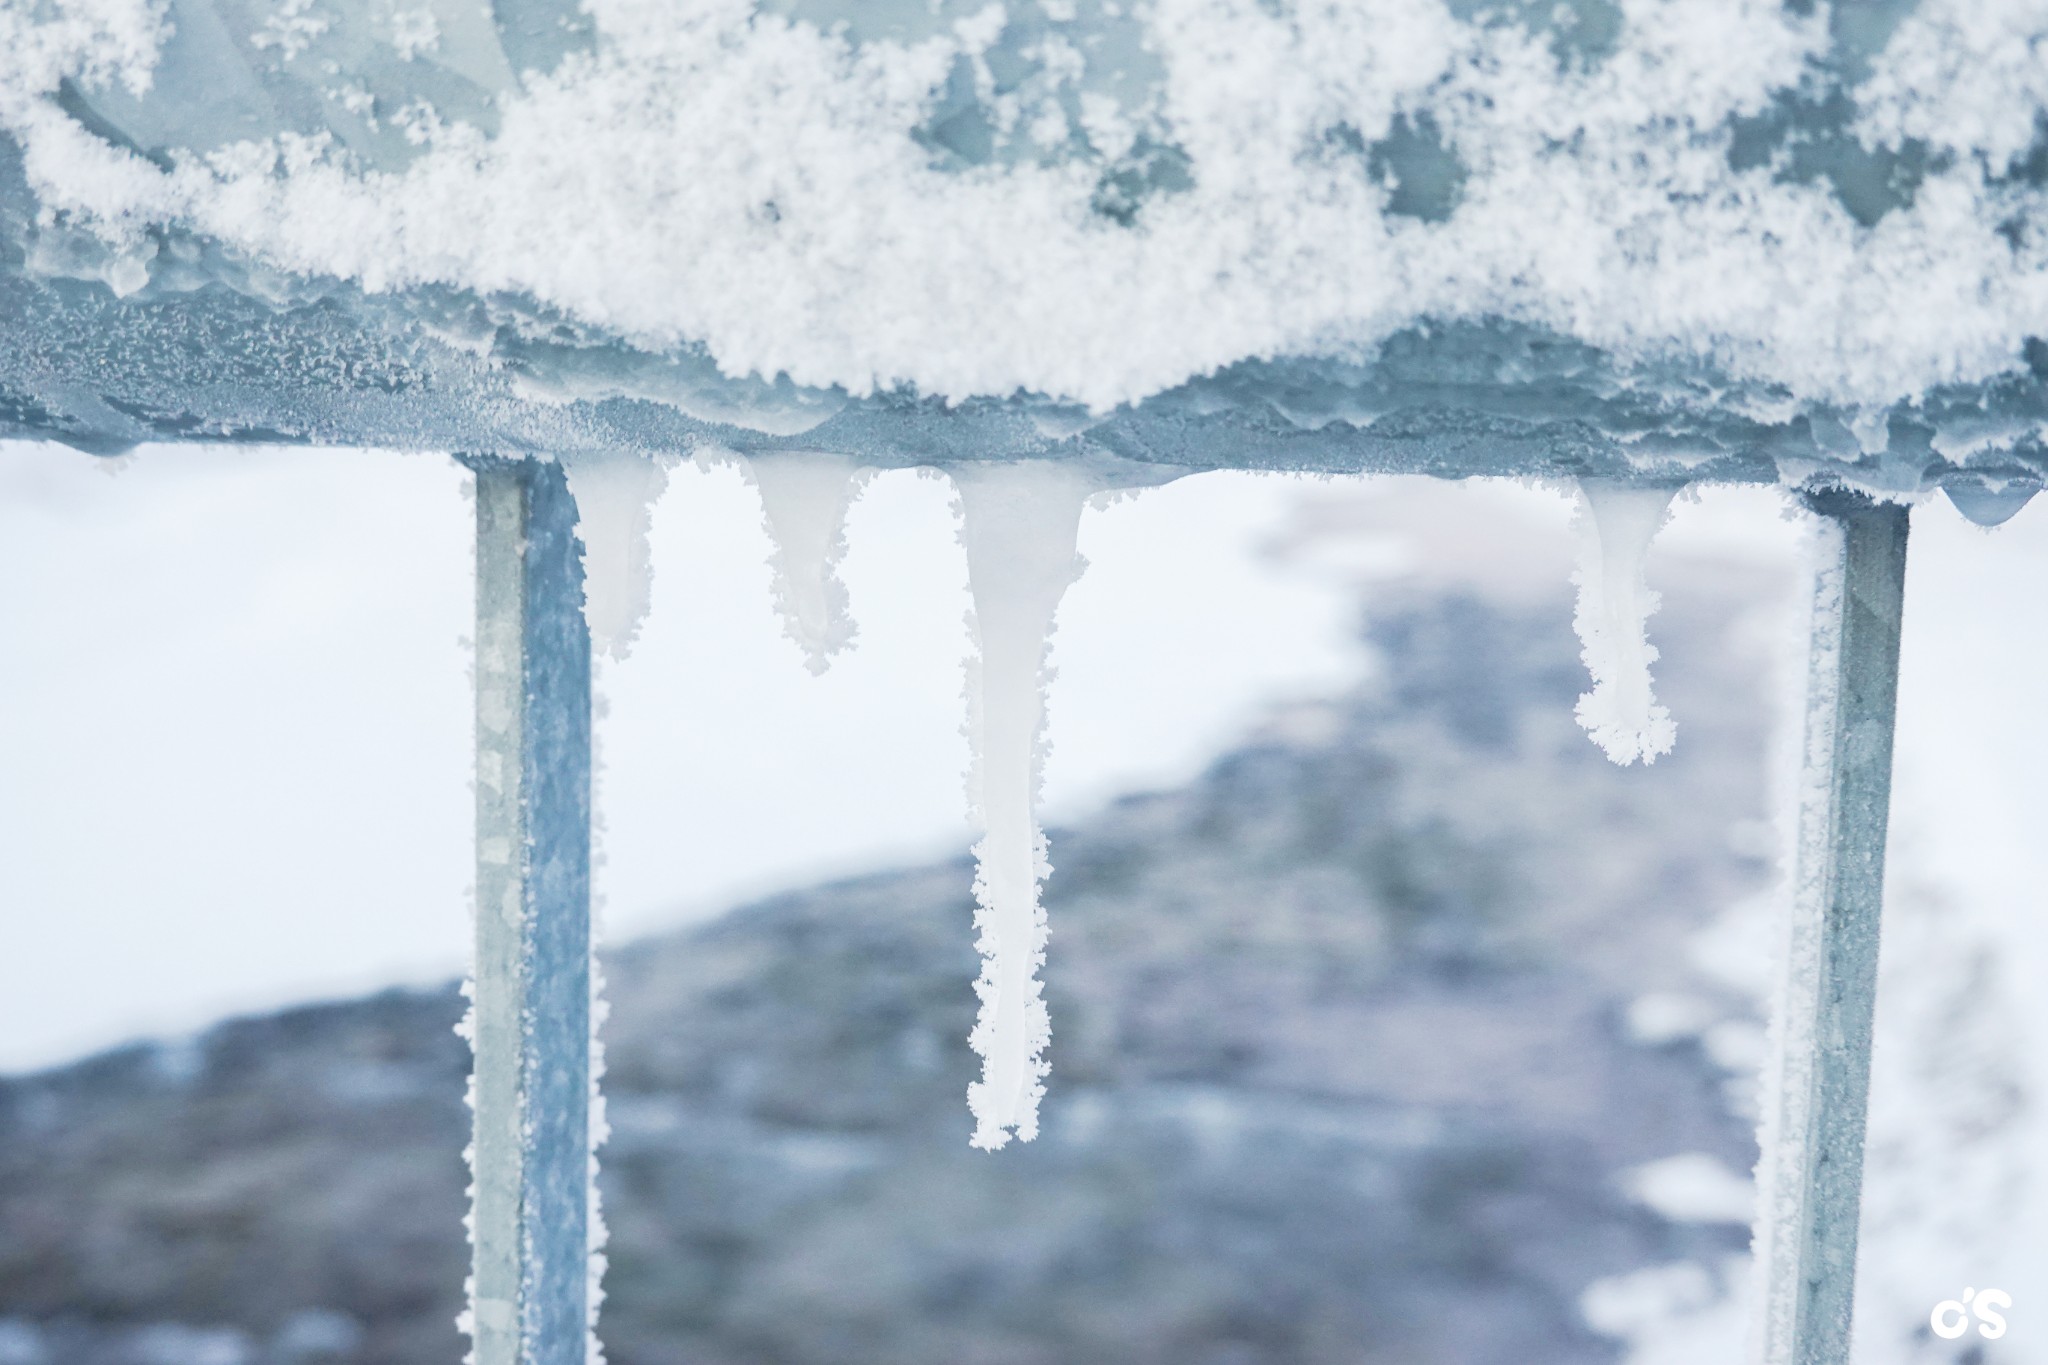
point(1344, 1072)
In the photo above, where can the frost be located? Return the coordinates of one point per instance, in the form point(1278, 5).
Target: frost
point(1964, 76)
point(291, 29)
point(1785, 1123)
point(106, 42)
point(414, 32)
point(599, 1234)
point(718, 180)
point(1019, 523)
point(615, 497)
point(1616, 525)
point(804, 498)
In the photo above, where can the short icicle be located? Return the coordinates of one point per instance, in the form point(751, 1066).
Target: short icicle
point(1019, 523)
point(1617, 522)
point(804, 498)
point(615, 495)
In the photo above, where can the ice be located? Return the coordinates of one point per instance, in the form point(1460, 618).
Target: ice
point(1019, 523)
point(804, 497)
point(1987, 505)
point(1732, 203)
point(615, 496)
point(1616, 525)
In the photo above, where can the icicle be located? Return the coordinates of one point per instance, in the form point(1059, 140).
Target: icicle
point(1984, 505)
point(615, 496)
point(805, 497)
point(1617, 522)
point(1019, 523)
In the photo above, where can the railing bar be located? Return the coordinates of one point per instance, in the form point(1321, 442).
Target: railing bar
point(531, 1023)
point(1811, 1180)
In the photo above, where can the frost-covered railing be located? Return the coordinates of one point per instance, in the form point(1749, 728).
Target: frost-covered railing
point(1054, 247)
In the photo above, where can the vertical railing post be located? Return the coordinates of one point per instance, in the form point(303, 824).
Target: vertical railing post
point(531, 1020)
point(1818, 1093)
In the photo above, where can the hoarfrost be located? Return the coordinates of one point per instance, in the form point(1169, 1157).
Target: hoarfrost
point(1019, 523)
point(615, 497)
point(763, 191)
point(599, 1232)
point(804, 499)
point(1785, 1125)
point(1616, 525)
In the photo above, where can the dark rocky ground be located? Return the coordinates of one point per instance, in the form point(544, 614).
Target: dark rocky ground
point(1341, 1075)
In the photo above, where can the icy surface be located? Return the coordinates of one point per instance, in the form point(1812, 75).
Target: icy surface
point(1616, 526)
point(1019, 523)
point(615, 496)
point(1655, 233)
point(804, 498)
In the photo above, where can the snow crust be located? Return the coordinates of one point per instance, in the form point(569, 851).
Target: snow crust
point(1616, 526)
point(1019, 523)
point(1085, 201)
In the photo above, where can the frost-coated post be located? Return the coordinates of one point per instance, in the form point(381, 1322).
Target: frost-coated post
point(1812, 1175)
point(531, 1024)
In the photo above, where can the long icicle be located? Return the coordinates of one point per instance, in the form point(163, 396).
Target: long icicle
point(1019, 523)
point(1617, 522)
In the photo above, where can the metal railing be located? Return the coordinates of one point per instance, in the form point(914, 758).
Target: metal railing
point(533, 1221)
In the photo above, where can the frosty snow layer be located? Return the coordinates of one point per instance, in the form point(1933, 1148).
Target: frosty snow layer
point(1072, 198)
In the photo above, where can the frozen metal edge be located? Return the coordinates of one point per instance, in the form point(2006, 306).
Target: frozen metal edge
point(532, 1021)
point(1811, 1195)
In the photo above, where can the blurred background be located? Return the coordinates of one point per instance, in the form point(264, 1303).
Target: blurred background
point(1391, 1022)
